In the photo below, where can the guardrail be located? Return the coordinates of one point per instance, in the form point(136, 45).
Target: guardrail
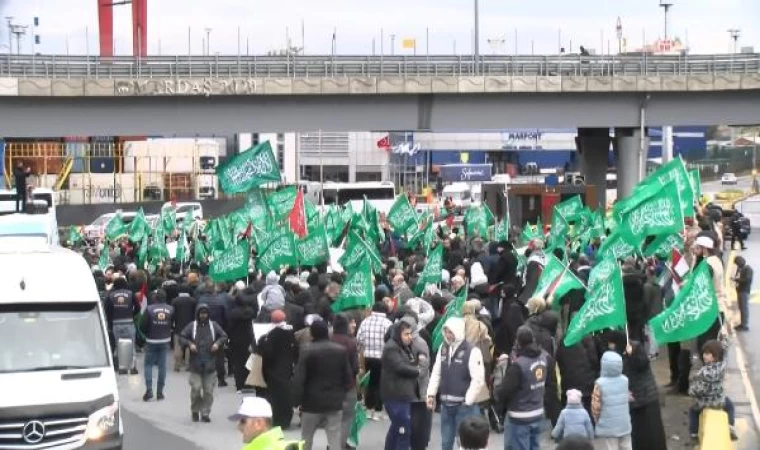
point(69, 66)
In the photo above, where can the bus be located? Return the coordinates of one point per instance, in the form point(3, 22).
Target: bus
point(380, 194)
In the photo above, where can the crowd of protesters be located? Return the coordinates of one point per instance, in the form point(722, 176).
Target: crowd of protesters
point(504, 359)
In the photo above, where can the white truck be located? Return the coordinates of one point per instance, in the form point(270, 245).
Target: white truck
point(58, 389)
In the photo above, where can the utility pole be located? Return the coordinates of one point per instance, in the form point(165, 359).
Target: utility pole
point(735, 33)
point(665, 8)
point(393, 44)
point(477, 38)
point(208, 41)
point(619, 30)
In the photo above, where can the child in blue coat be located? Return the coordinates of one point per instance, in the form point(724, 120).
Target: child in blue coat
point(573, 420)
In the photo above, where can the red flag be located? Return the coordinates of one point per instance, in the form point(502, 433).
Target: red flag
point(247, 233)
point(297, 216)
point(384, 143)
point(450, 221)
point(680, 266)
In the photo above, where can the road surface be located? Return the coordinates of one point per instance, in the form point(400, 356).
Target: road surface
point(711, 187)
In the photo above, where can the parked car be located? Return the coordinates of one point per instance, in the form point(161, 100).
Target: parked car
point(728, 178)
point(181, 208)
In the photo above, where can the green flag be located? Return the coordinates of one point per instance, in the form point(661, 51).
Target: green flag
point(501, 233)
point(693, 311)
point(277, 248)
point(453, 309)
point(358, 290)
point(142, 252)
point(232, 264)
point(250, 169)
point(103, 260)
point(139, 227)
point(75, 237)
point(115, 228)
point(280, 202)
point(531, 232)
point(604, 306)
point(169, 220)
point(256, 208)
point(663, 245)
point(571, 209)
point(312, 249)
point(619, 245)
point(334, 224)
point(358, 249)
point(696, 183)
point(181, 243)
point(560, 229)
point(188, 221)
point(433, 270)
point(675, 171)
point(556, 279)
point(659, 214)
point(478, 219)
point(401, 214)
point(360, 419)
point(199, 250)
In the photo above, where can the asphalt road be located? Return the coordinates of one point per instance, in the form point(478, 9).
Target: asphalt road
point(711, 187)
point(141, 435)
point(750, 339)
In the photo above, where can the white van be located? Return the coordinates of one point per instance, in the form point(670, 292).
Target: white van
point(460, 195)
point(181, 209)
point(27, 227)
point(380, 194)
point(57, 384)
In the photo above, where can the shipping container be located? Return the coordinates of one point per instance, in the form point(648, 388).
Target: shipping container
point(77, 151)
point(43, 157)
point(178, 187)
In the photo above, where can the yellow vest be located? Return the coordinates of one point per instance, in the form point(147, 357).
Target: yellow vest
point(273, 439)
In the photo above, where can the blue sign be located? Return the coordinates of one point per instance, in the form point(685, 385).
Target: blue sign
point(466, 172)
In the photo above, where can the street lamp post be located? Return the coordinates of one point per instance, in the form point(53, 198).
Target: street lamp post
point(476, 47)
point(208, 41)
point(665, 8)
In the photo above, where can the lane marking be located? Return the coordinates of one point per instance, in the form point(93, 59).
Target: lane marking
point(741, 361)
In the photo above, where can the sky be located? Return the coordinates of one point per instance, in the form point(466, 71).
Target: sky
point(439, 26)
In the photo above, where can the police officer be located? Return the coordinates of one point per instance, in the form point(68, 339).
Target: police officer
point(156, 326)
point(523, 391)
point(121, 309)
point(459, 377)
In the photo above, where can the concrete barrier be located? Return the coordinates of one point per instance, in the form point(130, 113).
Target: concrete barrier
point(714, 433)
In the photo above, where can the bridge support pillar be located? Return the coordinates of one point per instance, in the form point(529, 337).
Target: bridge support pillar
point(631, 151)
point(667, 144)
point(593, 145)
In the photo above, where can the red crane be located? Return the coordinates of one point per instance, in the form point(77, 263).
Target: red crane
point(139, 26)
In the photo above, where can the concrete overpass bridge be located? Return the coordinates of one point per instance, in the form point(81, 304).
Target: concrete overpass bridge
point(191, 95)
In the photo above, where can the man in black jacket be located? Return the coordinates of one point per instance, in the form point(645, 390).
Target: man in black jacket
point(205, 338)
point(184, 313)
point(20, 174)
point(399, 384)
point(320, 384)
point(156, 326)
point(522, 389)
point(219, 304)
point(279, 352)
point(743, 282)
point(121, 310)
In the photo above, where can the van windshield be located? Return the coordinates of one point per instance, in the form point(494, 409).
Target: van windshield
point(51, 336)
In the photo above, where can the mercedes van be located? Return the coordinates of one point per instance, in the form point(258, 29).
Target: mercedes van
point(58, 389)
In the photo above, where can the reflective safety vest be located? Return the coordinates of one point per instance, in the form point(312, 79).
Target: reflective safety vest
point(273, 439)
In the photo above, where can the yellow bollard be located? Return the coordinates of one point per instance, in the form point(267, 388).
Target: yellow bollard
point(714, 433)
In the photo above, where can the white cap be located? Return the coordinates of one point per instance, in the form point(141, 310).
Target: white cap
point(253, 407)
point(704, 241)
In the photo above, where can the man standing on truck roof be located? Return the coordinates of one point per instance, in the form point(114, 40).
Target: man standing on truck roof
point(20, 174)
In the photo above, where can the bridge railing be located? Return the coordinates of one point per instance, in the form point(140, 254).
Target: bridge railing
point(300, 66)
